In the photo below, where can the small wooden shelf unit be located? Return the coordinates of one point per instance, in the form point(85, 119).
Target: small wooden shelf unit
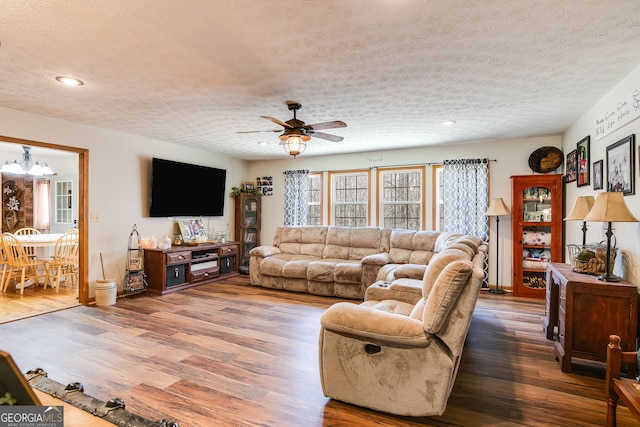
point(182, 267)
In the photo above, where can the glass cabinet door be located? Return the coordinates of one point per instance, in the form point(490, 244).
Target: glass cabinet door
point(537, 231)
point(536, 235)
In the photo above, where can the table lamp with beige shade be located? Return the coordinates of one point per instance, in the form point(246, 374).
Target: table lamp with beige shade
point(497, 208)
point(609, 207)
point(580, 210)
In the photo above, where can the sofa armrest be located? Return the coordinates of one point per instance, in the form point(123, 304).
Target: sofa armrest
point(376, 259)
point(264, 251)
point(403, 290)
point(376, 325)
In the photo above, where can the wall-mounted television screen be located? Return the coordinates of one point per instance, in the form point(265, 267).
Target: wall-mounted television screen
point(183, 189)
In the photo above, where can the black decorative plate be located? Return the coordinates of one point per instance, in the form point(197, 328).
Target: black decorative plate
point(545, 159)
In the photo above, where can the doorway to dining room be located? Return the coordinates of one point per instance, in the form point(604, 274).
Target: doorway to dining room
point(67, 207)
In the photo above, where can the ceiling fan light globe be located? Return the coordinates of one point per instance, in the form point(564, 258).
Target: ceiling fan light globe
point(295, 144)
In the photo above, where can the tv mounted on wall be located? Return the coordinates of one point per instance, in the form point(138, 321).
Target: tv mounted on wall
point(183, 189)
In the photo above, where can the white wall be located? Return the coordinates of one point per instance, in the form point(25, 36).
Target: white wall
point(626, 234)
point(119, 173)
point(511, 159)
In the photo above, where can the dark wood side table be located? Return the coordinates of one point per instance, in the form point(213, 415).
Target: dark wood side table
point(586, 311)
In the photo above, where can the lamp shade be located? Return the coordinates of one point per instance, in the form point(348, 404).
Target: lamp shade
point(497, 207)
point(610, 207)
point(581, 208)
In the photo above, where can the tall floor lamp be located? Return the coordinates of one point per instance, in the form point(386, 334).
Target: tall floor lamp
point(497, 208)
point(581, 208)
point(610, 207)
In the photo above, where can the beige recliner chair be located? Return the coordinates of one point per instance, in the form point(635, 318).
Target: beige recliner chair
point(400, 357)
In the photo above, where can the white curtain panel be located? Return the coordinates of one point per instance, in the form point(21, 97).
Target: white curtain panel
point(465, 199)
point(296, 197)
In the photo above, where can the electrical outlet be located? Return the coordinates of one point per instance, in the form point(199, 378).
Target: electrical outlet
point(94, 218)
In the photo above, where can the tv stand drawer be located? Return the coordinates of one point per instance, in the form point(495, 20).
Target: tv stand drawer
point(204, 274)
point(174, 257)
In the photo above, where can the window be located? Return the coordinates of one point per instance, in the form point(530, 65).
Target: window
point(314, 210)
point(401, 195)
point(350, 198)
point(64, 208)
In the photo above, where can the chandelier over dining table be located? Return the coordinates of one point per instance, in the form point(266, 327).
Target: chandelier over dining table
point(27, 166)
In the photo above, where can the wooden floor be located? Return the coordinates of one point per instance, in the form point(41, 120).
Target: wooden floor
point(35, 301)
point(235, 355)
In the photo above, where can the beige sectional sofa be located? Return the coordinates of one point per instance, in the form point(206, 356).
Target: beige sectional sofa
point(344, 261)
point(400, 349)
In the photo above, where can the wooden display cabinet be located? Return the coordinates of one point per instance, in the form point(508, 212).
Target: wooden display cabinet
point(182, 267)
point(537, 231)
point(247, 226)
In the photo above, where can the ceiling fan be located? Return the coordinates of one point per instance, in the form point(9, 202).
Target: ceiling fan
point(296, 133)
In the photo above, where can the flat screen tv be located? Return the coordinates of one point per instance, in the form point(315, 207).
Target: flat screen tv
point(183, 189)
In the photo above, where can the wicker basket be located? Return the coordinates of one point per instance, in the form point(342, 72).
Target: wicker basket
point(590, 258)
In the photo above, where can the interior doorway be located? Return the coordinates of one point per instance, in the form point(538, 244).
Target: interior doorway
point(82, 208)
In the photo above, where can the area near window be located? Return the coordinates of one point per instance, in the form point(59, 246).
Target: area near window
point(349, 198)
point(401, 194)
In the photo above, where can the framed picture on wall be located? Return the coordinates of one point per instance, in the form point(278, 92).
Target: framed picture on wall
point(597, 174)
point(582, 162)
point(570, 167)
point(621, 166)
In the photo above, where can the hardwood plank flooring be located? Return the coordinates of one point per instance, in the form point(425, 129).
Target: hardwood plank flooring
point(35, 301)
point(231, 354)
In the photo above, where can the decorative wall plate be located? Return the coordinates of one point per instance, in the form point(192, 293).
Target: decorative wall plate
point(545, 159)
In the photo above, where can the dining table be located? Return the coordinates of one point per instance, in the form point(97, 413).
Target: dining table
point(43, 243)
point(43, 240)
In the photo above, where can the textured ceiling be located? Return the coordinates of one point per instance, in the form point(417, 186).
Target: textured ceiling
point(196, 72)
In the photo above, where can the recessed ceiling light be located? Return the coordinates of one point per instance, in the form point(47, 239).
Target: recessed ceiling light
point(448, 123)
point(263, 143)
point(69, 81)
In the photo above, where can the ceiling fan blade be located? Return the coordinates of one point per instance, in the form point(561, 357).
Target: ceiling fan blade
point(326, 136)
point(256, 131)
point(281, 123)
point(326, 125)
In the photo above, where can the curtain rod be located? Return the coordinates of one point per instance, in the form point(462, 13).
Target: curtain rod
point(404, 165)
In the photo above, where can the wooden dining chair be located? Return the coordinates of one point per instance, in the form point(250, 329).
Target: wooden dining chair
point(62, 265)
point(28, 231)
point(18, 261)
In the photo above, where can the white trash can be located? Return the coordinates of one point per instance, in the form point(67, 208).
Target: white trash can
point(106, 292)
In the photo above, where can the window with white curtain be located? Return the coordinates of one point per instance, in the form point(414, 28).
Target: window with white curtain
point(466, 196)
point(296, 192)
point(349, 192)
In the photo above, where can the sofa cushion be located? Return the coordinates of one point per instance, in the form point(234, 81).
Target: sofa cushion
point(321, 270)
point(463, 248)
point(297, 267)
point(444, 294)
point(348, 272)
point(390, 306)
point(412, 247)
point(337, 244)
point(410, 271)
point(445, 239)
point(437, 264)
point(301, 240)
point(364, 241)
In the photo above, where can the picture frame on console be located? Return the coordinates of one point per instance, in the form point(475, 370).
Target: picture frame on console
point(192, 230)
point(621, 166)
